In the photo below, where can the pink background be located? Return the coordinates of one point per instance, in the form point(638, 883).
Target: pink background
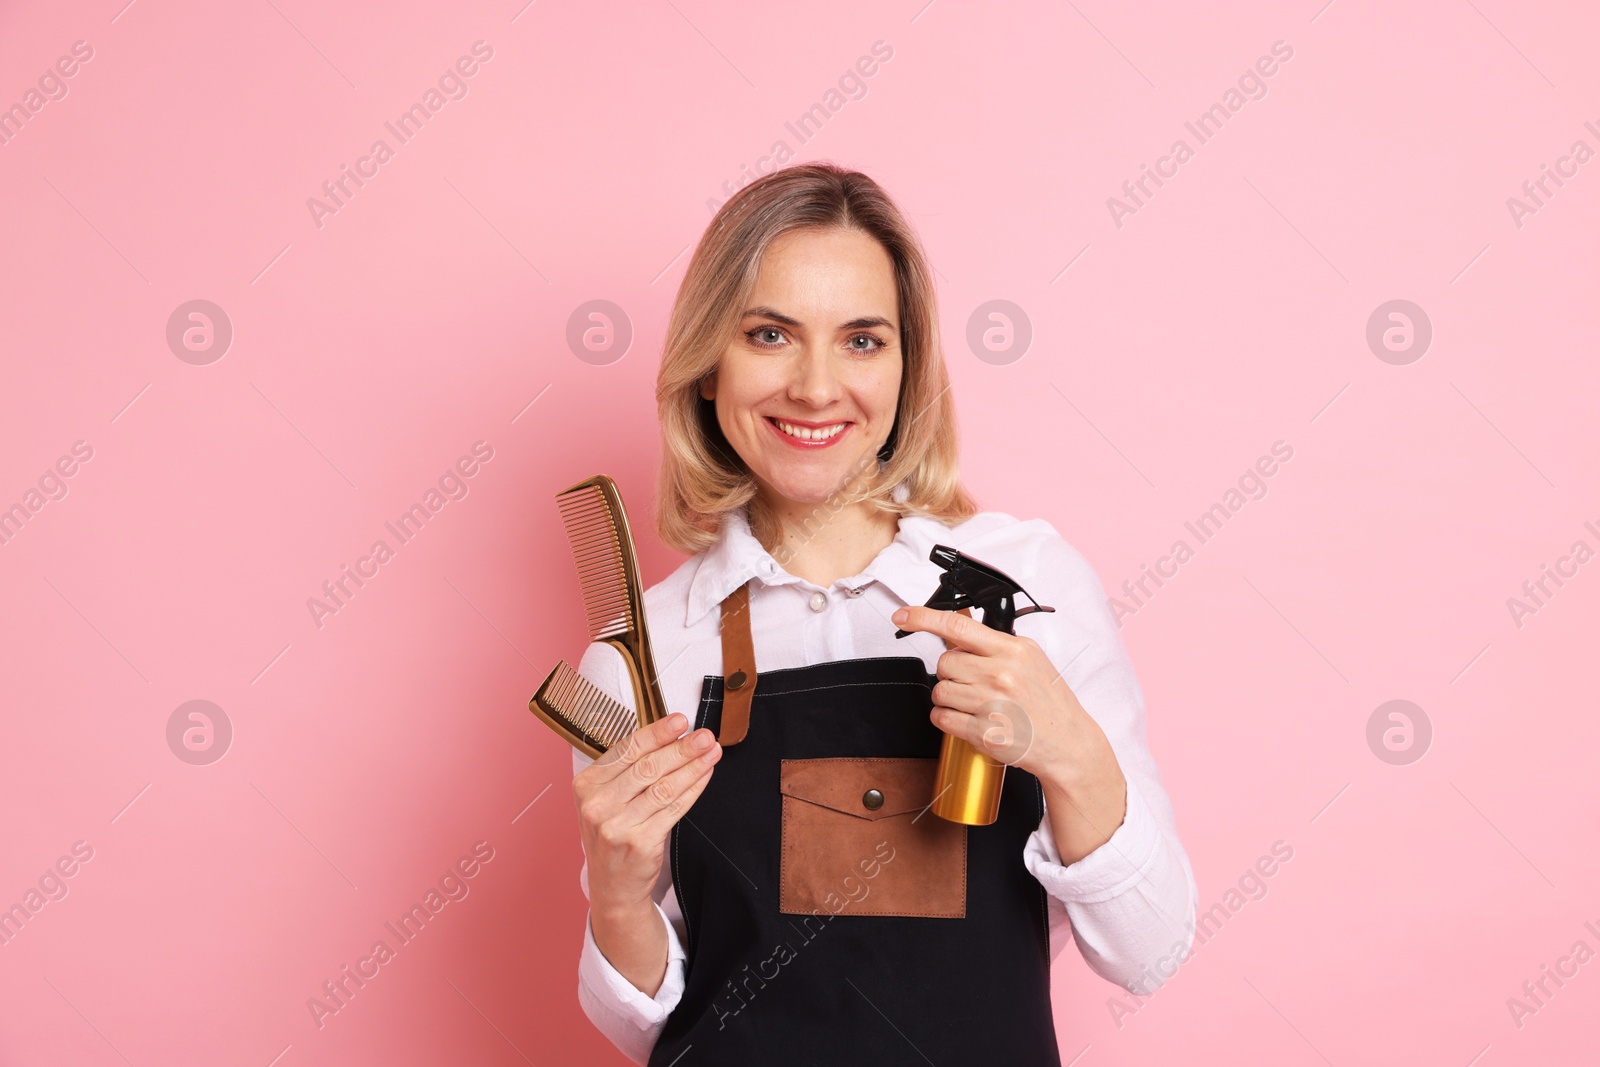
point(370, 753)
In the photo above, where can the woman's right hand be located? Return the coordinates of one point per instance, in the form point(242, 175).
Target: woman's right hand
point(628, 801)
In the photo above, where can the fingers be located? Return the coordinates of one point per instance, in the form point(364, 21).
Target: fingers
point(648, 770)
point(665, 802)
point(648, 755)
point(958, 631)
point(959, 666)
point(1000, 728)
point(959, 724)
point(958, 695)
point(622, 757)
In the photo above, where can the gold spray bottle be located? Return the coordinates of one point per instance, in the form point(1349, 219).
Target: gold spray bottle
point(967, 788)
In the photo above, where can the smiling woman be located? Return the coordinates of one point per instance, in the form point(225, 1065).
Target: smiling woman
point(802, 399)
point(805, 319)
point(809, 466)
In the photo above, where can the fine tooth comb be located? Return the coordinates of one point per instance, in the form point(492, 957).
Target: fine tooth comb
point(613, 600)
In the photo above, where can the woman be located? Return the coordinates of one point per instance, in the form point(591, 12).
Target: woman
point(783, 896)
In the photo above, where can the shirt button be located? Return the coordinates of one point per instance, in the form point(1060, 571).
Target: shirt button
point(819, 601)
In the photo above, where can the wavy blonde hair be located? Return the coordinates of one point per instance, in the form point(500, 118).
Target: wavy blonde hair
point(702, 478)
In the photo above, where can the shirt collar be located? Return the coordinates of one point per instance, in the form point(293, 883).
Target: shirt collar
point(903, 566)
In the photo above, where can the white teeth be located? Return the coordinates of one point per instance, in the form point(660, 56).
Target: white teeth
point(806, 433)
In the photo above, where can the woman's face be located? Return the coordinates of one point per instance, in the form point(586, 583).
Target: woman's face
point(806, 389)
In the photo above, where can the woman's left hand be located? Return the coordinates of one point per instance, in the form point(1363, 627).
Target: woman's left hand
point(1000, 693)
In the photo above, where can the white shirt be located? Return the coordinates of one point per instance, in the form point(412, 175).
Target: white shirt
point(1130, 903)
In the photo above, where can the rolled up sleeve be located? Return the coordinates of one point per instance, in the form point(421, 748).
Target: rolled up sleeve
point(617, 1007)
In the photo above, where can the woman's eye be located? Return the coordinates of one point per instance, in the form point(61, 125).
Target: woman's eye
point(875, 342)
point(760, 333)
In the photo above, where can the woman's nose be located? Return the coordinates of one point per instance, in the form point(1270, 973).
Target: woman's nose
point(816, 380)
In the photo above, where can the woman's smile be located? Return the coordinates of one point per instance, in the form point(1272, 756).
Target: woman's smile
point(804, 433)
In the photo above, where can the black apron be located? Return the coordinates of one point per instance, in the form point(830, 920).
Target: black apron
point(827, 986)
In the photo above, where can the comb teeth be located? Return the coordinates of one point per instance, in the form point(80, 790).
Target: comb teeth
point(587, 717)
point(597, 549)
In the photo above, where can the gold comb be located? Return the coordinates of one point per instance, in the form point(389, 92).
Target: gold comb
point(613, 600)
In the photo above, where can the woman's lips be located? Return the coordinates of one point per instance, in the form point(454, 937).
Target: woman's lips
point(814, 442)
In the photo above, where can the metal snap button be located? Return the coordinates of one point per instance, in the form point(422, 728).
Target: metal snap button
point(736, 680)
point(872, 800)
point(819, 601)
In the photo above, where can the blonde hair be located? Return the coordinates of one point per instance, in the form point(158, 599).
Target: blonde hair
point(702, 478)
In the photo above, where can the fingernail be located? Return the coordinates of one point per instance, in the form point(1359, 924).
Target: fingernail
point(701, 741)
point(900, 616)
point(711, 755)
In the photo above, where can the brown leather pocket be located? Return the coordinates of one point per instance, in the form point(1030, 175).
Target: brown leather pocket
point(858, 840)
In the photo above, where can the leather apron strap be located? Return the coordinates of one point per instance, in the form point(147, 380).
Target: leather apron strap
point(738, 666)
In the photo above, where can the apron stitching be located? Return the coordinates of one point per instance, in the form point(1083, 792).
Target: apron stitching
point(677, 880)
point(1044, 905)
point(840, 685)
point(852, 659)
